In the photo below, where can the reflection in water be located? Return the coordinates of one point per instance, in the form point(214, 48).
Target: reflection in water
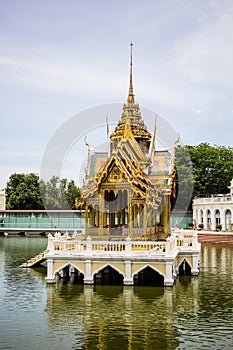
point(149, 292)
point(114, 317)
point(197, 313)
point(109, 291)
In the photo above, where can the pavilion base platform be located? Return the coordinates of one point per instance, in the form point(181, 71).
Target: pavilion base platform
point(131, 260)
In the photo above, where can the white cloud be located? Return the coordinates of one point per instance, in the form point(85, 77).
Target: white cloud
point(206, 55)
point(57, 76)
point(183, 66)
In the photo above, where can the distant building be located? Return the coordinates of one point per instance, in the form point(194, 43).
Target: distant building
point(214, 212)
point(2, 200)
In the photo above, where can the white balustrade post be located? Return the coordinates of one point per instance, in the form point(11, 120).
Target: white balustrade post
point(195, 239)
point(128, 245)
point(89, 244)
point(168, 246)
point(50, 246)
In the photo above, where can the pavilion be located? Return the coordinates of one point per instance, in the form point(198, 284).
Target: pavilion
point(127, 190)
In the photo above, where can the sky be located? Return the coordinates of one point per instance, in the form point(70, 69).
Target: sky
point(60, 58)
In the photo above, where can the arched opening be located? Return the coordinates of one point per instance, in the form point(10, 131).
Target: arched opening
point(201, 217)
point(217, 220)
point(228, 219)
point(108, 276)
point(148, 277)
point(69, 274)
point(208, 220)
point(184, 268)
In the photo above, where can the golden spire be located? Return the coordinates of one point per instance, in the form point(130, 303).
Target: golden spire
point(127, 131)
point(131, 95)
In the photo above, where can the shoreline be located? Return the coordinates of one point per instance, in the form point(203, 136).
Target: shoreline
point(214, 237)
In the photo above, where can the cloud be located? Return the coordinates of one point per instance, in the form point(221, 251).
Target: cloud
point(205, 57)
point(56, 77)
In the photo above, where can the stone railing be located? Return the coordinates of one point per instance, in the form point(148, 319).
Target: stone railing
point(179, 240)
point(186, 239)
point(213, 199)
point(59, 244)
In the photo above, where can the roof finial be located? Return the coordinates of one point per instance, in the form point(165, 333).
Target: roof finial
point(131, 95)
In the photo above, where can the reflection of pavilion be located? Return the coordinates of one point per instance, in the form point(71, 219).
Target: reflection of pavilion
point(114, 317)
point(127, 192)
point(126, 201)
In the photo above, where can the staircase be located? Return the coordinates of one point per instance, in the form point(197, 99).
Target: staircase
point(37, 260)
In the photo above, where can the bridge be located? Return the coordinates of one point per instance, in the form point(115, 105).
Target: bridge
point(39, 231)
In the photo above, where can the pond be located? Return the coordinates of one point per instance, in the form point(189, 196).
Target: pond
point(197, 313)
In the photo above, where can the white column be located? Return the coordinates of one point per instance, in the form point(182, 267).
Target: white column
point(222, 219)
point(195, 269)
point(169, 280)
point(128, 280)
point(198, 217)
point(213, 220)
point(205, 219)
point(88, 276)
point(50, 277)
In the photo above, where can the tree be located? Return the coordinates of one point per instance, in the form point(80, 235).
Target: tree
point(184, 179)
point(26, 191)
point(73, 194)
point(22, 192)
point(213, 169)
point(59, 193)
point(209, 169)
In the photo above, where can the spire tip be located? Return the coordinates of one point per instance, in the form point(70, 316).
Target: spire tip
point(131, 95)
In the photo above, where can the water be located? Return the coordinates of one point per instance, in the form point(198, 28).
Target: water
point(197, 313)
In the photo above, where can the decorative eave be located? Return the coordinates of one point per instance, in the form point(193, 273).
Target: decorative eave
point(132, 174)
point(129, 147)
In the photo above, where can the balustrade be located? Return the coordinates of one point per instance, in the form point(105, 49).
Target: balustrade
point(60, 245)
point(213, 199)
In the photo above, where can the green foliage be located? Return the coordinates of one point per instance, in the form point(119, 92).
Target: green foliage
point(59, 193)
point(26, 191)
point(22, 192)
point(213, 169)
point(184, 178)
point(208, 169)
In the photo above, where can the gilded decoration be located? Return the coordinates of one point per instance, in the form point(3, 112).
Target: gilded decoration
point(127, 192)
